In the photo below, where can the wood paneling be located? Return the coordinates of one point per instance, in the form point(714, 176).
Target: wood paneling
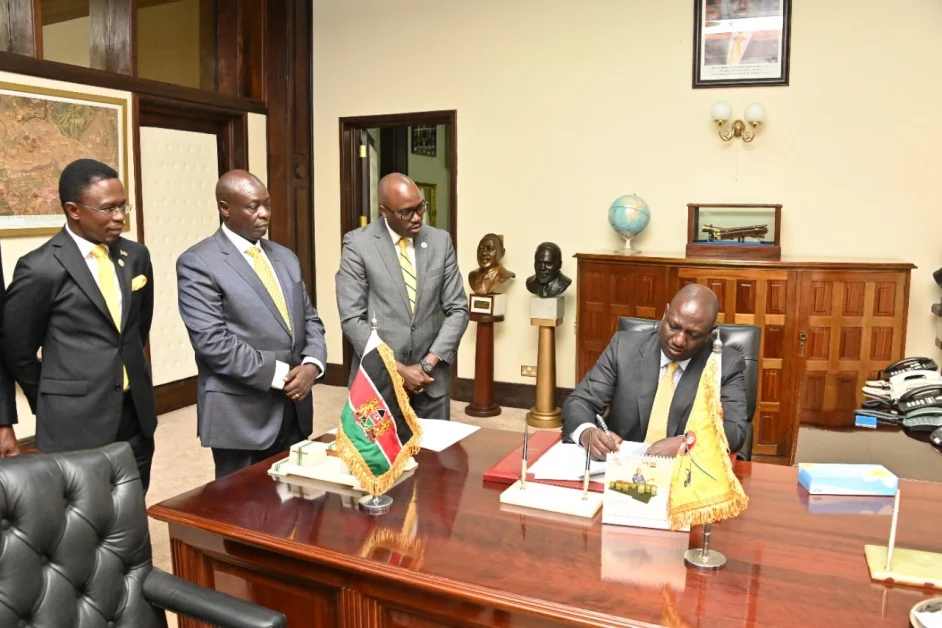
point(852, 315)
point(506, 394)
point(113, 36)
point(20, 27)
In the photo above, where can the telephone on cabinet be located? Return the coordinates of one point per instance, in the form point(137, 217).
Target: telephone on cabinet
point(921, 398)
point(907, 365)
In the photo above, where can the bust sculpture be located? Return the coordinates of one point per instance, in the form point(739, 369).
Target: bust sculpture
point(489, 275)
point(548, 281)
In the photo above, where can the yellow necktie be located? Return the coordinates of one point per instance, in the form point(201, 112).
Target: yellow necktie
point(108, 284)
point(408, 271)
point(657, 425)
point(270, 282)
point(735, 55)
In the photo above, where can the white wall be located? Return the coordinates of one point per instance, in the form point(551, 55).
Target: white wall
point(563, 106)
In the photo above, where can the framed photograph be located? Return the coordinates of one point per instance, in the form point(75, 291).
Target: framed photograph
point(741, 42)
point(429, 194)
point(425, 140)
point(41, 132)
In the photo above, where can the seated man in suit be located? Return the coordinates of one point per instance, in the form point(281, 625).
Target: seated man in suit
point(649, 380)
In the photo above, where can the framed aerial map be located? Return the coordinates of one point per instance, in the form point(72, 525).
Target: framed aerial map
point(43, 130)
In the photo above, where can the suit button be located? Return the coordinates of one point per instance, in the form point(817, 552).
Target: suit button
point(118, 388)
point(413, 328)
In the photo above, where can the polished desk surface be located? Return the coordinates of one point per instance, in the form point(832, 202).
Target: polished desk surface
point(787, 564)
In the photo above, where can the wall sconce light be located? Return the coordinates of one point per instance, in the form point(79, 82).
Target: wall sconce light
point(723, 112)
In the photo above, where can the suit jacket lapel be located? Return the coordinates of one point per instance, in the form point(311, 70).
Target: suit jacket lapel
point(234, 258)
point(390, 256)
point(68, 254)
point(648, 364)
point(124, 270)
point(287, 289)
point(421, 264)
point(685, 393)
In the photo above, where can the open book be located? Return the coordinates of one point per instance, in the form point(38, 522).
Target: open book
point(637, 490)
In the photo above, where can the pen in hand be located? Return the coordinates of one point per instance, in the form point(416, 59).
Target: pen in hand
point(601, 422)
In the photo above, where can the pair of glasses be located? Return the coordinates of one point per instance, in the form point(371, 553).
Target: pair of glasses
point(406, 214)
point(117, 209)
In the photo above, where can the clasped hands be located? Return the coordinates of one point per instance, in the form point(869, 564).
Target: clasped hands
point(601, 444)
point(300, 380)
point(414, 379)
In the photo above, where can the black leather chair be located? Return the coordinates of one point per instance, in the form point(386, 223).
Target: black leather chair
point(747, 339)
point(75, 550)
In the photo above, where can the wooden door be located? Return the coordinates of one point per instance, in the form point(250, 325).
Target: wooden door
point(761, 298)
point(851, 324)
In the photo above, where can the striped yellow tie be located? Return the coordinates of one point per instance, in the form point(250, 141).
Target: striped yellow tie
point(657, 424)
point(108, 284)
point(263, 270)
point(408, 271)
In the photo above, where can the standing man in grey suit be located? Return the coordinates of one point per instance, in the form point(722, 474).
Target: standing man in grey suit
point(259, 342)
point(86, 298)
point(650, 379)
point(406, 274)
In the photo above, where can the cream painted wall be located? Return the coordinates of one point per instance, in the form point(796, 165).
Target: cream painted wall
point(258, 146)
point(14, 248)
point(68, 42)
point(852, 148)
point(433, 170)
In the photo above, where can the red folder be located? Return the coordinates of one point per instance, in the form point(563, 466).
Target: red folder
point(507, 470)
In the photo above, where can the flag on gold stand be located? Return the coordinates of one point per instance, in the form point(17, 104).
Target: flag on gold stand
point(703, 486)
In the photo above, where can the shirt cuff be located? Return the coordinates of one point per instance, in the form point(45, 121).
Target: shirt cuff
point(281, 372)
point(316, 363)
point(577, 433)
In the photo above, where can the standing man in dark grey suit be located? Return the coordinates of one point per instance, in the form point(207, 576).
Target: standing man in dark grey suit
point(8, 444)
point(406, 274)
point(649, 380)
point(259, 342)
point(86, 297)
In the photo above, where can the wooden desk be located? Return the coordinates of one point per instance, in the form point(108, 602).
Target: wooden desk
point(473, 562)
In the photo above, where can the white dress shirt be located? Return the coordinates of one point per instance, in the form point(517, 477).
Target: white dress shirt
point(681, 367)
point(85, 248)
point(281, 368)
point(410, 248)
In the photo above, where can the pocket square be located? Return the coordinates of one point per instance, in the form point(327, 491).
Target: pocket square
point(138, 282)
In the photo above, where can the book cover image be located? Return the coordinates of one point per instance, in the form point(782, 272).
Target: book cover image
point(637, 490)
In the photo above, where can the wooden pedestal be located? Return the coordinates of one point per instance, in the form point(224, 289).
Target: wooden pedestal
point(482, 403)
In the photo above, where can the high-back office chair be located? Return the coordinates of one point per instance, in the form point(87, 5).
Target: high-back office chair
point(747, 339)
point(75, 550)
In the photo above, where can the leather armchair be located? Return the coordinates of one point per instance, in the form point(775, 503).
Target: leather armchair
point(747, 339)
point(75, 550)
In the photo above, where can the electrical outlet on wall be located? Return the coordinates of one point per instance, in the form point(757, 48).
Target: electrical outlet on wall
point(527, 371)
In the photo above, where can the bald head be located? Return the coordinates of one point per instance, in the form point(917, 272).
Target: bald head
point(688, 322)
point(401, 204)
point(244, 204)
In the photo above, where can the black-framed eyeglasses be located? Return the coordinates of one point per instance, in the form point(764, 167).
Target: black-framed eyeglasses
point(406, 214)
point(122, 209)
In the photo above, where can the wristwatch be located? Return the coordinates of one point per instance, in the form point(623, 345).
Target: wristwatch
point(426, 366)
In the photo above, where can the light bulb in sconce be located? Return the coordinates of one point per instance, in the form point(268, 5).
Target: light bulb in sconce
point(722, 113)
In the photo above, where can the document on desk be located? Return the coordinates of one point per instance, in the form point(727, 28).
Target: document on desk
point(440, 435)
point(566, 461)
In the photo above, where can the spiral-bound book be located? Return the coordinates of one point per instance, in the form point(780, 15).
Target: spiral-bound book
point(637, 490)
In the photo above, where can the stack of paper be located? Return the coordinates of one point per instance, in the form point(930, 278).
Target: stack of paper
point(566, 461)
point(440, 435)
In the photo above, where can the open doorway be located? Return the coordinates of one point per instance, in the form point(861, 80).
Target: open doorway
point(421, 145)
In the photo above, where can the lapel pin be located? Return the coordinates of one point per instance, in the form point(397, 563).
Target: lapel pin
point(121, 263)
point(425, 245)
point(123, 252)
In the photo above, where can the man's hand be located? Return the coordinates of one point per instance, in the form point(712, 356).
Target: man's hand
point(8, 444)
point(299, 380)
point(414, 378)
point(600, 444)
point(668, 447)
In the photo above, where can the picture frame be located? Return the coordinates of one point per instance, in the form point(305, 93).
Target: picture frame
point(430, 194)
point(734, 231)
point(740, 43)
point(44, 130)
point(425, 140)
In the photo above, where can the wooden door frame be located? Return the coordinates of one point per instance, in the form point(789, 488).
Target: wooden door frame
point(349, 219)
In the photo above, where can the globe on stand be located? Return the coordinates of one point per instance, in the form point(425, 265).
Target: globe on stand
point(629, 215)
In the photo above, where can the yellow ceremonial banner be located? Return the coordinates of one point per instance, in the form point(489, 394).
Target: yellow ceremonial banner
point(703, 486)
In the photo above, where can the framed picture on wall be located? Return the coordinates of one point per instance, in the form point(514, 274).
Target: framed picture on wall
point(428, 193)
point(425, 140)
point(41, 132)
point(741, 42)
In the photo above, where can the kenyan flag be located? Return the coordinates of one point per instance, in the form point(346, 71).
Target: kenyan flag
point(378, 431)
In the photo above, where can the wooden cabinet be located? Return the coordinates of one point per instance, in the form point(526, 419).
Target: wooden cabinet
point(827, 326)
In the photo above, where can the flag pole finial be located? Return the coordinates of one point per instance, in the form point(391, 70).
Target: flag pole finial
point(373, 323)
point(717, 343)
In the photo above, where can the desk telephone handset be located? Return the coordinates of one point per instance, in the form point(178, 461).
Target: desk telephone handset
point(923, 419)
point(907, 365)
point(924, 397)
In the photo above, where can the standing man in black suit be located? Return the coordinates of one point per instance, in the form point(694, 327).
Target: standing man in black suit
point(86, 298)
point(649, 381)
point(8, 445)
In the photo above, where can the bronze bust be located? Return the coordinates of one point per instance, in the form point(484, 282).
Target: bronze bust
point(548, 281)
point(489, 275)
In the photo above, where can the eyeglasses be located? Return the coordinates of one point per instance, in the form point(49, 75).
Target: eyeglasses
point(406, 214)
point(117, 209)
